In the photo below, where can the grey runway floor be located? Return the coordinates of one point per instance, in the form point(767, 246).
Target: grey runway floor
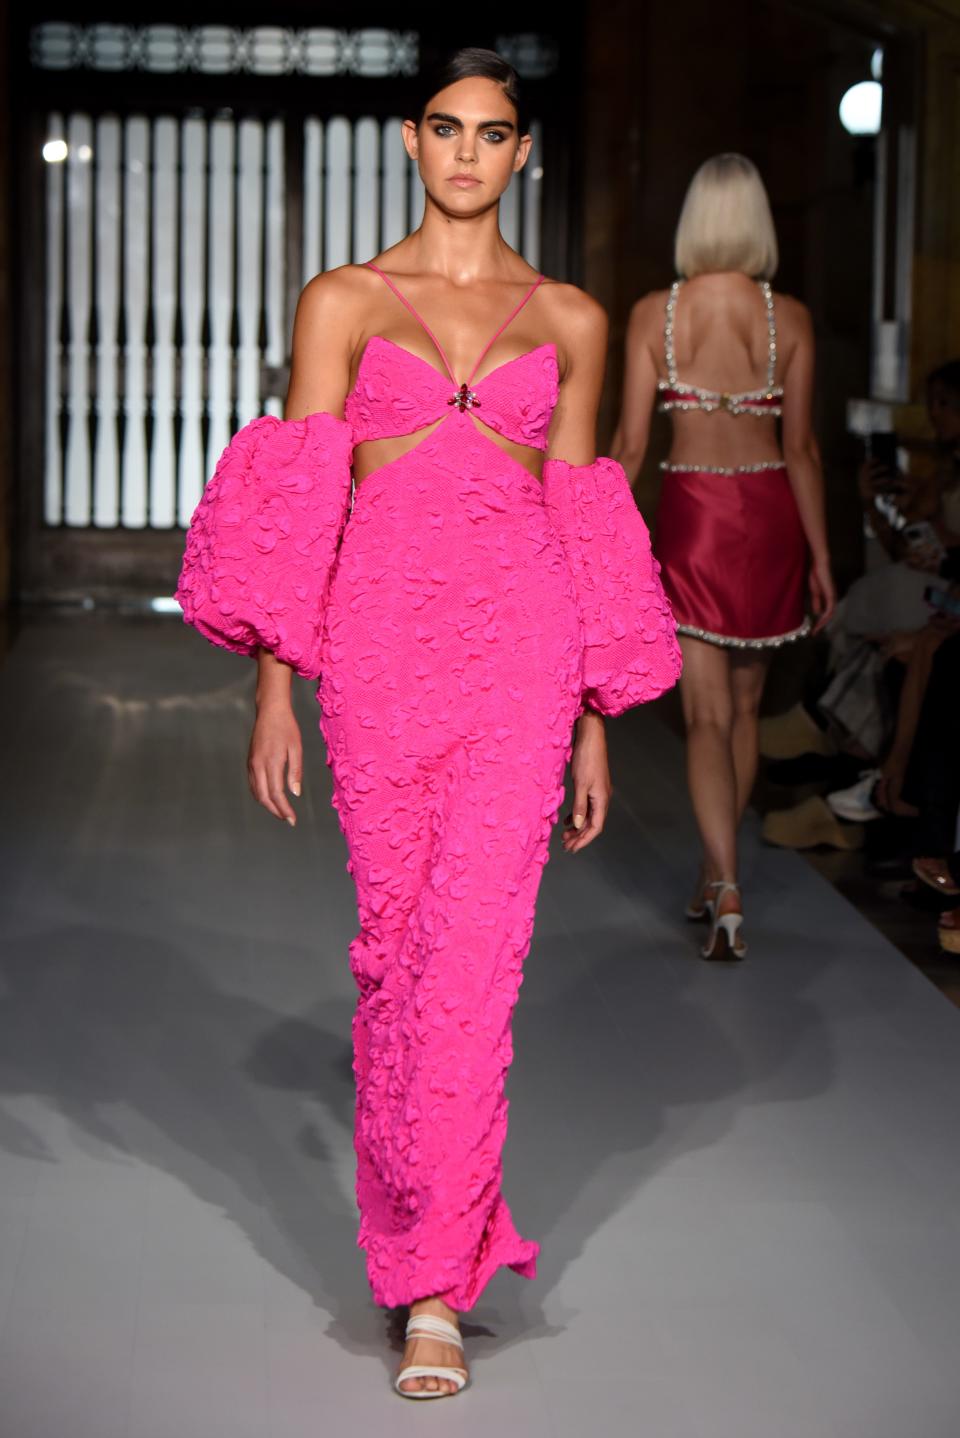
point(745, 1180)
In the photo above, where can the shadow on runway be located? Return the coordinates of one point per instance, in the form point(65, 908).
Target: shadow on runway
point(623, 1065)
point(156, 908)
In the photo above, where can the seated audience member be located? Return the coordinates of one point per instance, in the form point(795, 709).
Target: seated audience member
point(882, 637)
point(931, 785)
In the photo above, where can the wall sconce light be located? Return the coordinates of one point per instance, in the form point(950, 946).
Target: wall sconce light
point(861, 108)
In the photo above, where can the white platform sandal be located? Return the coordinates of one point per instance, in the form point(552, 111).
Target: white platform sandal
point(725, 940)
point(429, 1325)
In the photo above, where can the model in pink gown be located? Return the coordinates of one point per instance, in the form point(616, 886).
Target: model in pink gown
point(460, 617)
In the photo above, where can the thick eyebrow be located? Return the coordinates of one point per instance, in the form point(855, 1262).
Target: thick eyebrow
point(455, 120)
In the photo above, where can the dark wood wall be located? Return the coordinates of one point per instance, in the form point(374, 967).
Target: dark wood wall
point(763, 79)
point(7, 517)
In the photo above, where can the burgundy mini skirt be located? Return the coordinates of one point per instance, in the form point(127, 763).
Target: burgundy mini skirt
point(733, 555)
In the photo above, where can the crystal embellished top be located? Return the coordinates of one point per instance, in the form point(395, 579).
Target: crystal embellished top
point(675, 394)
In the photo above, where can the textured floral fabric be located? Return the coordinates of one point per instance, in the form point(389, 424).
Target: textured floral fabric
point(263, 537)
point(450, 685)
point(630, 648)
point(397, 392)
point(457, 615)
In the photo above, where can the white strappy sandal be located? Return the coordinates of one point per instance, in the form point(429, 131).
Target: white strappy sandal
point(429, 1325)
point(725, 940)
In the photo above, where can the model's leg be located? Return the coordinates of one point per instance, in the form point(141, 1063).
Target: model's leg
point(390, 831)
point(433, 1037)
point(452, 677)
point(432, 1352)
point(748, 673)
point(705, 691)
point(447, 859)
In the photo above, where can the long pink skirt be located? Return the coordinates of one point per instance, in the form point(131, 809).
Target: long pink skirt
point(451, 683)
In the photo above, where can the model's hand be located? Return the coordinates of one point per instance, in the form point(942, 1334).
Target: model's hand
point(591, 783)
point(275, 758)
point(823, 594)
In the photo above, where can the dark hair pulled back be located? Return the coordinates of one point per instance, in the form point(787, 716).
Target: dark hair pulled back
point(464, 64)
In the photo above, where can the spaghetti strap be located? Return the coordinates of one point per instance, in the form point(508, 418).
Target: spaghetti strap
point(668, 350)
point(403, 300)
point(419, 318)
point(513, 314)
point(767, 293)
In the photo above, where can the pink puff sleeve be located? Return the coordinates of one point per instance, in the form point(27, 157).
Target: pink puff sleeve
point(630, 649)
point(263, 538)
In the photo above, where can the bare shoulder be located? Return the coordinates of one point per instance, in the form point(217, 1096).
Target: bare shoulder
point(577, 316)
point(335, 298)
point(646, 314)
point(793, 317)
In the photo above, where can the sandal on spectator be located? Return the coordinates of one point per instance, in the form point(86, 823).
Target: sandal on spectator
point(936, 874)
point(784, 736)
point(808, 824)
point(948, 931)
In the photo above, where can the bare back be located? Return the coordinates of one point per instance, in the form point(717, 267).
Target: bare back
point(724, 337)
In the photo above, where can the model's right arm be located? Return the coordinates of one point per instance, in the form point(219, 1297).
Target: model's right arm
point(321, 355)
point(325, 333)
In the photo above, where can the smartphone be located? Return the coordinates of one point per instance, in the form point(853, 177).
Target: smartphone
point(941, 600)
point(882, 447)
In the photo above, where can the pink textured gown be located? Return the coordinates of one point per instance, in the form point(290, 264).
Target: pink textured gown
point(469, 613)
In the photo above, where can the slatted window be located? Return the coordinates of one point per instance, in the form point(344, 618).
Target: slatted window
point(167, 294)
point(177, 185)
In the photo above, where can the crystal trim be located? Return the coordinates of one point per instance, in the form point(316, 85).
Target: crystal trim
point(670, 468)
point(727, 402)
point(708, 399)
point(729, 642)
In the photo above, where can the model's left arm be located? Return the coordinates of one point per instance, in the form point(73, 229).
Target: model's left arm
point(632, 434)
point(802, 455)
point(573, 433)
point(631, 654)
point(630, 650)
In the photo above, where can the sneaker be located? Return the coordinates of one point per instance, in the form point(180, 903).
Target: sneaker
point(856, 803)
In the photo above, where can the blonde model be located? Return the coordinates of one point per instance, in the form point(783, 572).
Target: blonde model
point(741, 534)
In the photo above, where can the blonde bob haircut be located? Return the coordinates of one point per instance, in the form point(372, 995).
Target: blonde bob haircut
point(725, 222)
